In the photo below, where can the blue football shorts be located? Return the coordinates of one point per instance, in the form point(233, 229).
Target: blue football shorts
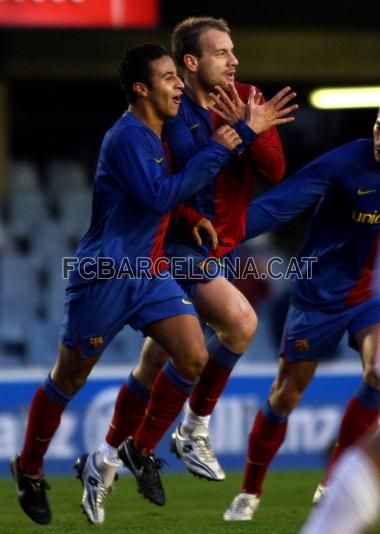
point(190, 267)
point(314, 334)
point(96, 312)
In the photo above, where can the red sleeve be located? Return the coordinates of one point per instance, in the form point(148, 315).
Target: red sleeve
point(188, 216)
point(266, 150)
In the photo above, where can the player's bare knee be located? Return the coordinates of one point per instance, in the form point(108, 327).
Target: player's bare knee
point(285, 400)
point(193, 364)
point(69, 384)
point(148, 368)
point(71, 370)
point(146, 375)
point(238, 332)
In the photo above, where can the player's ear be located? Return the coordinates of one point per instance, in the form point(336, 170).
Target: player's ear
point(190, 62)
point(140, 89)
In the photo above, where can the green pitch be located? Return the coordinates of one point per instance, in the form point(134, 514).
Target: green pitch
point(194, 506)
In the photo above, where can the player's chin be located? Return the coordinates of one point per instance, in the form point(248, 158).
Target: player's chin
point(173, 109)
point(227, 80)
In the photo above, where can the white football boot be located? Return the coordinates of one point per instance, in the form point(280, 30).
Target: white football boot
point(196, 451)
point(320, 494)
point(94, 489)
point(242, 507)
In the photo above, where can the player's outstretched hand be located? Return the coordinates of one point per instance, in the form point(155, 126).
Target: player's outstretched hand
point(261, 117)
point(226, 136)
point(205, 226)
point(229, 105)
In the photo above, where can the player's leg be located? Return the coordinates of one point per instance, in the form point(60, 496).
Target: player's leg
point(66, 378)
point(363, 410)
point(308, 335)
point(227, 310)
point(130, 405)
point(180, 336)
point(353, 501)
point(233, 320)
point(268, 433)
point(96, 311)
point(133, 396)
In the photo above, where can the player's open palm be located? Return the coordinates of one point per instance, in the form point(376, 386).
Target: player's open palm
point(227, 136)
point(274, 112)
point(229, 106)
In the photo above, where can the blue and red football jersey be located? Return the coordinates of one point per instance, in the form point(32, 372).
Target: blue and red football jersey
point(134, 193)
point(224, 200)
point(344, 232)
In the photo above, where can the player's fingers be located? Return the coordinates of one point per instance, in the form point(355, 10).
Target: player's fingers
point(221, 92)
point(221, 103)
point(287, 110)
point(278, 96)
point(235, 138)
point(252, 93)
point(281, 103)
point(196, 236)
point(285, 120)
point(218, 112)
point(224, 97)
point(255, 99)
point(214, 97)
point(213, 238)
point(230, 131)
point(234, 94)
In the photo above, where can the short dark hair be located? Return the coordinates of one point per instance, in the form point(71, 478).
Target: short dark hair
point(185, 36)
point(136, 67)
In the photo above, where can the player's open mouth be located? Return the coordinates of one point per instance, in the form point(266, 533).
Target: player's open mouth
point(177, 100)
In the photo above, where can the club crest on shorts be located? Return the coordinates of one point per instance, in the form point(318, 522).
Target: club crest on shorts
point(301, 345)
point(96, 342)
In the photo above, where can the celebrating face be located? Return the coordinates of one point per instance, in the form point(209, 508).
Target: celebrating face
point(217, 62)
point(166, 87)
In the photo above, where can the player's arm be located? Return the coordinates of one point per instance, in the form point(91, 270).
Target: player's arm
point(180, 140)
point(292, 196)
point(141, 175)
point(267, 156)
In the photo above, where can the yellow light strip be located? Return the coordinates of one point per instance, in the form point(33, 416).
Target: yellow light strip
point(345, 97)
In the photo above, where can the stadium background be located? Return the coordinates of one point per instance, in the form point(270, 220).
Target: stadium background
point(58, 95)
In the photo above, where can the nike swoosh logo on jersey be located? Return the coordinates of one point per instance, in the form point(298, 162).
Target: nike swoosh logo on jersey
point(185, 301)
point(193, 126)
point(159, 160)
point(360, 192)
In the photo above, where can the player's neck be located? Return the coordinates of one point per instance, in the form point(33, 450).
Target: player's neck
point(148, 116)
point(196, 92)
